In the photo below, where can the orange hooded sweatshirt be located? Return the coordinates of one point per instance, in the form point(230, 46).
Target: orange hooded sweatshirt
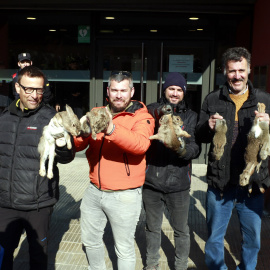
point(117, 161)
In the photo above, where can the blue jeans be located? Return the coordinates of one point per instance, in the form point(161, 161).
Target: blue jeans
point(218, 213)
point(122, 209)
point(177, 204)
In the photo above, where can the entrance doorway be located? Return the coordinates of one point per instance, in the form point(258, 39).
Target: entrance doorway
point(150, 62)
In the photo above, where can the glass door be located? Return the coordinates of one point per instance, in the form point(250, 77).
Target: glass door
point(124, 56)
point(150, 62)
point(191, 59)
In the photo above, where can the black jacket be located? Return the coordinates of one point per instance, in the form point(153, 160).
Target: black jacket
point(166, 171)
point(226, 171)
point(21, 186)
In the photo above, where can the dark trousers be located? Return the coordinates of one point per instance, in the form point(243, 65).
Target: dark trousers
point(177, 204)
point(36, 225)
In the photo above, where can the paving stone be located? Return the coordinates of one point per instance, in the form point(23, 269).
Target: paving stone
point(65, 248)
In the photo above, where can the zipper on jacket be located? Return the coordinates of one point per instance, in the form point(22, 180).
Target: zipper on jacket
point(37, 191)
point(100, 150)
point(126, 164)
point(11, 178)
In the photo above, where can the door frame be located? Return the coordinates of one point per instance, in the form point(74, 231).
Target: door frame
point(153, 49)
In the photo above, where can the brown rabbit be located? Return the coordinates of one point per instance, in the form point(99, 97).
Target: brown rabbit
point(68, 123)
point(99, 119)
point(219, 139)
point(258, 149)
point(170, 130)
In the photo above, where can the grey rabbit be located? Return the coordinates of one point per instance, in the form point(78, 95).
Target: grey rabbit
point(258, 149)
point(219, 139)
point(68, 123)
point(95, 121)
point(170, 131)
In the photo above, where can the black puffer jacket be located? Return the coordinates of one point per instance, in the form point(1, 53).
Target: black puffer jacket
point(21, 186)
point(231, 165)
point(166, 171)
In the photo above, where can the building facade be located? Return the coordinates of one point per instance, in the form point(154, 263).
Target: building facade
point(77, 45)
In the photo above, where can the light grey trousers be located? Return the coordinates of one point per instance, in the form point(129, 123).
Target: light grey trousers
point(122, 209)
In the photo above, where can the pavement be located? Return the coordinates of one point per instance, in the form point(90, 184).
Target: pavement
point(65, 248)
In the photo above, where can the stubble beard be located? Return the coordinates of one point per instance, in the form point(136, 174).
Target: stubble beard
point(116, 109)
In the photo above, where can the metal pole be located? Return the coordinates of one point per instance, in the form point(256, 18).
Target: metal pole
point(161, 70)
point(142, 67)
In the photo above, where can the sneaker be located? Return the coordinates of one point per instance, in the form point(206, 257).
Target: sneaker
point(153, 267)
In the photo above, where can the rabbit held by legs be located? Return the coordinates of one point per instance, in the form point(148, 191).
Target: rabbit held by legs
point(170, 131)
point(67, 123)
point(258, 149)
point(219, 139)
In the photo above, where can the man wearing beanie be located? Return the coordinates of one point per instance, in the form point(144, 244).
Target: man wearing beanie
point(167, 182)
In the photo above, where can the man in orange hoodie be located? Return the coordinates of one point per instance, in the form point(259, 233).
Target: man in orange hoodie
point(117, 173)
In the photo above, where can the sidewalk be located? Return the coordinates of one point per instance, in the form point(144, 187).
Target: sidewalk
point(65, 249)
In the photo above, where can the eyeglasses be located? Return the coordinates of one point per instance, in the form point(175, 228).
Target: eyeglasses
point(124, 73)
point(30, 90)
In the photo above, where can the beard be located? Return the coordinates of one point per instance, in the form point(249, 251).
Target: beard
point(118, 108)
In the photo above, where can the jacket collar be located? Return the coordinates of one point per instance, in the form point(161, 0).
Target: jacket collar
point(14, 108)
point(224, 93)
point(136, 105)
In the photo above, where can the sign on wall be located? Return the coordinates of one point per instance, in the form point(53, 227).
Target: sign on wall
point(181, 63)
point(83, 34)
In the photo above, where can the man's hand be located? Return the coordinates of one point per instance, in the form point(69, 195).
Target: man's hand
point(262, 116)
point(57, 107)
point(85, 125)
point(212, 120)
point(61, 142)
point(182, 149)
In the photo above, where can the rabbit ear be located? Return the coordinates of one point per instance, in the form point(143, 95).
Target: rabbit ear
point(69, 110)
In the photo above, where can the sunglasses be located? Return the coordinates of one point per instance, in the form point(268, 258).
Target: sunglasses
point(30, 90)
point(124, 73)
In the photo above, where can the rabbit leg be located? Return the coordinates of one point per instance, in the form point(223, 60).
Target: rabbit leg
point(258, 166)
point(265, 150)
point(51, 160)
point(154, 137)
point(67, 137)
point(261, 188)
point(43, 157)
point(185, 134)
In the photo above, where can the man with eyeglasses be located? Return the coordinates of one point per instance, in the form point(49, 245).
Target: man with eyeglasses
point(24, 60)
point(117, 173)
point(167, 182)
point(26, 198)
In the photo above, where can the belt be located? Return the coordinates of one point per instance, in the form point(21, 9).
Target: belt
point(110, 190)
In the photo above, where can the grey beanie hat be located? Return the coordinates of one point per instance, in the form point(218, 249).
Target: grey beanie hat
point(175, 78)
